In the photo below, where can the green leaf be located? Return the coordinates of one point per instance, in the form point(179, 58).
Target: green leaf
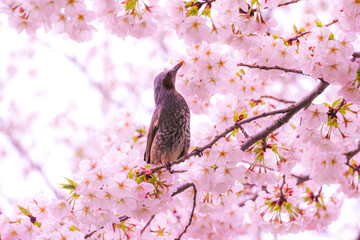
point(318, 23)
point(141, 130)
point(243, 114)
point(336, 103)
point(73, 228)
point(207, 11)
point(70, 185)
point(358, 75)
point(332, 122)
point(24, 210)
point(286, 43)
point(37, 224)
point(130, 4)
point(331, 36)
point(193, 11)
point(140, 179)
point(301, 30)
point(326, 105)
point(236, 116)
point(241, 71)
point(75, 196)
point(295, 29)
point(189, 4)
point(342, 111)
point(233, 133)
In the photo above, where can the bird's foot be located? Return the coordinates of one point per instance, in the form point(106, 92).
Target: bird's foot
point(199, 152)
point(168, 166)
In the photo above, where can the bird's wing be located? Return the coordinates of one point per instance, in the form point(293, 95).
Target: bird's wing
point(154, 126)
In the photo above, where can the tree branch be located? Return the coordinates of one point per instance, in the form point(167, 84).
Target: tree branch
point(244, 132)
point(198, 151)
point(352, 153)
point(288, 114)
point(304, 103)
point(278, 99)
point(148, 223)
point(272, 68)
point(179, 190)
point(301, 179)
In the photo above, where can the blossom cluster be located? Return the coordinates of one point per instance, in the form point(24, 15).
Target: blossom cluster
point(105, 194)
point(323, 56)
point(71, 17)
point(348, 15)
point(75, 18)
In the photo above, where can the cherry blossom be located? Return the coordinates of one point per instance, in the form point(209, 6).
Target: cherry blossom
point(278, 130)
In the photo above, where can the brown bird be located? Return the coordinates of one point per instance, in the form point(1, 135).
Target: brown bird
point(169, 132)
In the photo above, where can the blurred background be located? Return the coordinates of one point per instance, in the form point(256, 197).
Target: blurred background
point(60, 99)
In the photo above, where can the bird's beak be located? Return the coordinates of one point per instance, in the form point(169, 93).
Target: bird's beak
point(177, 67)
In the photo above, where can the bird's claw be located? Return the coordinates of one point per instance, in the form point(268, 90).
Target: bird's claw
point(168, 166)
point(199, 152)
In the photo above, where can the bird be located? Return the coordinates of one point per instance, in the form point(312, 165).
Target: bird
point(169, 132)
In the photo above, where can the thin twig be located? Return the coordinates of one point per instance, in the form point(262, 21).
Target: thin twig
point(288, 3)
point(106, 93)
point(121, 219)
point(301, 179)
point(179, 190)
point(282, 197)
point(272, 68)
point(329, 24)
point(355, 55)
point(352, 153)
point(244, 132)
point(148, 223)
point(91, 233)
point(278, 99)
point(298, 36)
point(33, 164)
point(302, 104)
point(342, 103)
point(307, 32)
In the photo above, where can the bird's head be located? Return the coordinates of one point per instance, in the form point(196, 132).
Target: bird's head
point(165, 81)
